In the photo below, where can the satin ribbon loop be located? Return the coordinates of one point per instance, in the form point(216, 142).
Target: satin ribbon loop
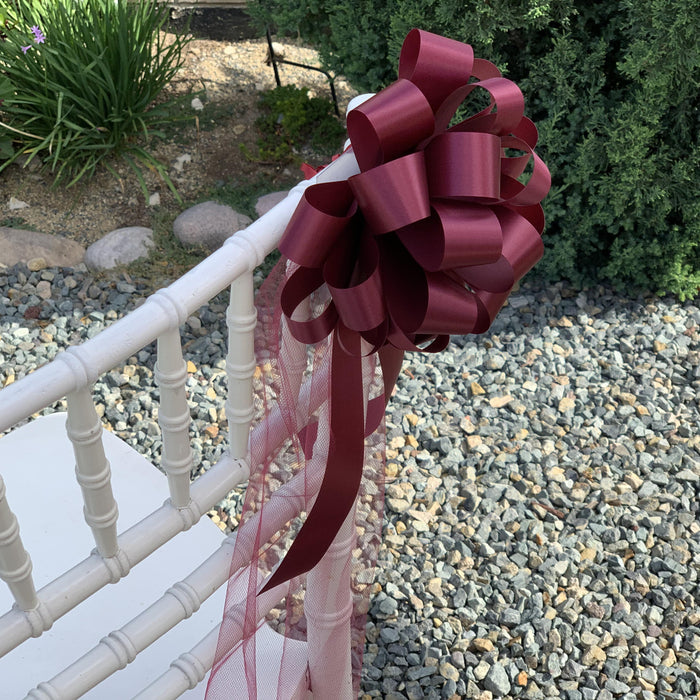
point(296, 291)
point(393, 195)
point(390, 124)
point(522, 248)
point(464, 165)
point(514, 192)
point(522, 244)
point(497, 277)
point(435, 64)
point(533, 213)
point(505, 111)
point(355, 284)
point(372, 339)
point(417, 343)
point(326, 209)
point(457, 234)
point(483, 69)
point(490, 303)
point(451, 308)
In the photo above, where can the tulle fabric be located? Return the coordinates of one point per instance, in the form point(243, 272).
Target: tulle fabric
point(286, 476)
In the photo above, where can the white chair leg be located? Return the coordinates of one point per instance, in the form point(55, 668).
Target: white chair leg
point(328, 607)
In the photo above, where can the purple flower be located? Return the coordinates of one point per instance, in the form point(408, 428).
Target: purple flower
point(25, 48)
point(39, 38)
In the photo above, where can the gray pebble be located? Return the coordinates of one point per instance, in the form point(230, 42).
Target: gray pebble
point(497, 681)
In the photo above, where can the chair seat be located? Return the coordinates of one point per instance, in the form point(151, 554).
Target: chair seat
point(37, 465)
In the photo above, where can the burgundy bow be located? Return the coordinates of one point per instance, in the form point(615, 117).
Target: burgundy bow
point(427, 241)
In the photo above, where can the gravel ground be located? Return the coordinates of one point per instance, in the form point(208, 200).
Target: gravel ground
point(542, 534)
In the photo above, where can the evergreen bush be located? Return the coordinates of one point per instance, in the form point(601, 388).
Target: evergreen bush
point(613, 87)
point(291, 122)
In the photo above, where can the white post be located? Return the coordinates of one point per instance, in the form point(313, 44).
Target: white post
point(240, 363)
point(328, 607)
point(92, 471)
point(174, 417)
point(15, 564)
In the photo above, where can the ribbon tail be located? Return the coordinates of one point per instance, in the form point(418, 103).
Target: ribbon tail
point(341, 481)
point(390, 359)
point(307, 438)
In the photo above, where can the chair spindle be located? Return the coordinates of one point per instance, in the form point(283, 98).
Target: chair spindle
point(15, 563)
point(92, 470)
point(190, 668)
point(174, 417)
point(241, 318)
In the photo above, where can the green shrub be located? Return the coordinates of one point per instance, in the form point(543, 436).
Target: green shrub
point(613, 88)
point(91, 90)
point(291, 121)
point(362, 38)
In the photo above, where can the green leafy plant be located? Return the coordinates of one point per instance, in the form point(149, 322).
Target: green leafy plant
point(292, 121)
point(87, 78)
point(614, 87)
point(6, 140)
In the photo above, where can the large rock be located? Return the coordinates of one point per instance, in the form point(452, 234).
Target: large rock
point(119, 247)
point(208, 225)
point(267, 201)
point(18, 245)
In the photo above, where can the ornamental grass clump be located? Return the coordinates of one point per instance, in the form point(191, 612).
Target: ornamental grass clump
point(83, 83)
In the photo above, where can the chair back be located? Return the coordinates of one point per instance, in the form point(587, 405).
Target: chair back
point(81, 509)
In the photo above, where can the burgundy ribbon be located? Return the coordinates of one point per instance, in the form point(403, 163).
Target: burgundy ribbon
point(427, 241)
